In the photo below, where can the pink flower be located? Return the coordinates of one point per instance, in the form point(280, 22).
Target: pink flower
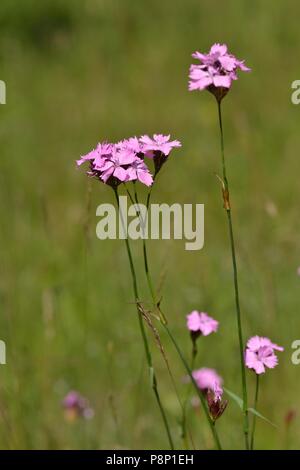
point(132, 144)
point(202, 323)
point(210, 383)
point(158, 148)
point(159, 143)
point(208, 379)
point(260, 354)
point(76, 405)
point(116, 164)
point(217, 70)
point(98, 154)
point(138, 170)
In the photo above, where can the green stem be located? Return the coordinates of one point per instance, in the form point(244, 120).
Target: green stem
point(143, 333)
point(164, 323)
point(185, 403)
point(146, 264)
point(129, 194)
point(199, 393)
point(255, 407)
point(156, 305)
point(236, 288)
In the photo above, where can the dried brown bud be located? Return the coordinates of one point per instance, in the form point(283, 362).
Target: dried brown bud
point(216, 406)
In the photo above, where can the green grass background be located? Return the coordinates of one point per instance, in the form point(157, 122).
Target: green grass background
point(83, 71)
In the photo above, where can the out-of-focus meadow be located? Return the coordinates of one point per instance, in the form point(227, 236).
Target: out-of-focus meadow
point(83, 71)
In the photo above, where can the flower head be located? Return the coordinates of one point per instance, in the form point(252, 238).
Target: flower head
point(260, 354)
point(138, 170)
point(159, 143)
point(208, 379)
point(210, 383)
point(201, 323)
point(124, 161)
point(158, 148)
point(75, 405)
point(216, 71)
point(132, 144)
point(117, 163)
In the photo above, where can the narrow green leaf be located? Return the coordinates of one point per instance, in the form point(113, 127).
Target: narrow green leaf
point(235, 397)
point(239, 401)
point(255, 412)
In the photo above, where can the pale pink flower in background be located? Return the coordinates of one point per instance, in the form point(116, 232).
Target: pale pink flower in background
point(208, 379)
point(298, 271)
point(75, 405)
point(260, 354)
point(202, 323)
point(210, 383)
point(217, 69)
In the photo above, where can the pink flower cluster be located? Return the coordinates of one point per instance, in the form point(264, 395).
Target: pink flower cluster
point(218, 69)
point(260, 353)
point(124, 161)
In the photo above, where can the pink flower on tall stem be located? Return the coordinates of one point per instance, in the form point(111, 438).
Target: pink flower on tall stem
point(210, 383)
point(158, 148)
point(159, 143)
point(216, 71)
point(124, 161)
point(201, 323)
point(260, 354)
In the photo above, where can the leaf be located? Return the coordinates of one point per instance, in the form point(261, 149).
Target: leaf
point(255, 412)
point(235, 397)
point(240, 402)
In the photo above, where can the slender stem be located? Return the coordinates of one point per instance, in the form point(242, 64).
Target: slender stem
point(156, 305)
point(235, 278)
point(146, 264)
point(144, 336)
point(185, 403)
point(200, 395)
point(255, 407)
point(129, 194)
point(164, 323)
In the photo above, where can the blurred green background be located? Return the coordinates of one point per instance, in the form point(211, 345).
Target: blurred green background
point(83, 71)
